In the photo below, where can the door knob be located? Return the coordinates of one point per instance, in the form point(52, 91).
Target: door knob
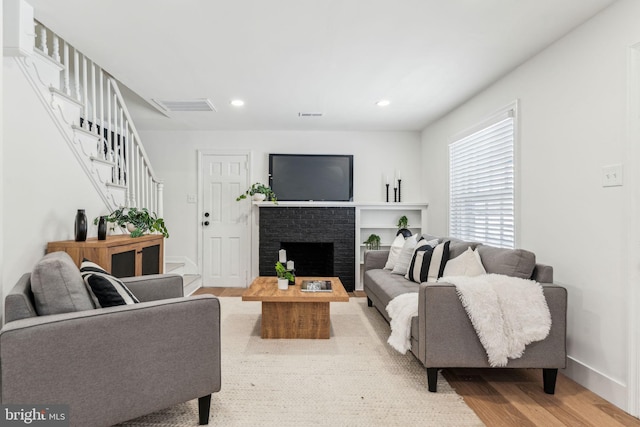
point(206, 214)
point(205, 223)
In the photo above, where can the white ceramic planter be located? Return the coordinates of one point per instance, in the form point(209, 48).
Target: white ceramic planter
point(259, 197)
point(283, 284)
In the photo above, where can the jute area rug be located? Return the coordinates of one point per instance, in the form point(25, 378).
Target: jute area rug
point(353, 379)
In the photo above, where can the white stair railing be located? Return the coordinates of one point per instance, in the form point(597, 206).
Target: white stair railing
point(105, 114)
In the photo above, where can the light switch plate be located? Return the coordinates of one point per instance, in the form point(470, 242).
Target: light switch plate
point(612, 175)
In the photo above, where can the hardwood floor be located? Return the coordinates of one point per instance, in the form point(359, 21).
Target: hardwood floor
point(514, 397)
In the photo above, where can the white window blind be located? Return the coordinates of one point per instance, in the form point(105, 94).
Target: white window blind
point(481, 180)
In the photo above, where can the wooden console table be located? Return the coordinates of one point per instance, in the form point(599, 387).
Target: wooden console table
point(120, 255)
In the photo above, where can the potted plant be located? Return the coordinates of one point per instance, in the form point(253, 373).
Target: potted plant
point(136, 221)
point(373, 242)
point(403, 223)
point(284, 276)
point(259, 192)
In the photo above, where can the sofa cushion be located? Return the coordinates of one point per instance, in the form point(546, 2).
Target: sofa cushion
point(386, 286)
point(57, 286)
point(512, 262)
point(428, 262)
point(404, 259)
point(467, 264)
point(105, 290)
point(394, 252)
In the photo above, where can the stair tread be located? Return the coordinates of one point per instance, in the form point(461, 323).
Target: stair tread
point(171, 266)
point(187, 279)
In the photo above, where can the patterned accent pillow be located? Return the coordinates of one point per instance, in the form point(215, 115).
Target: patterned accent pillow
point(428, 263)
point(104, 289)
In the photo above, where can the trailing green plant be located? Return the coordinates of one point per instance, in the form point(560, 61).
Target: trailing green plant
point(259, 188)
point(140, 219)
point(403, 222)
point(373, 242)
point(283, 273)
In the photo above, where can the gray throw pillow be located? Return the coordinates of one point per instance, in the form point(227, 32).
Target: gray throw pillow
point(511, 262)
point(57, 286)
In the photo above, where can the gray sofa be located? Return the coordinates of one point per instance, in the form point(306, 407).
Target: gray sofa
point(116, 363)
point(442, 335)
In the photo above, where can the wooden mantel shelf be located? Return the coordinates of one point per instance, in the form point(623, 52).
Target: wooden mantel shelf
point(319, 204)
point(120, 255)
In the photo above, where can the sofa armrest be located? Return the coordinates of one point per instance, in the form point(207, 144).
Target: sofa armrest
point(155, 287)
point(375, 259)
point(115, 363)
point(18, 303)
point(447, 337)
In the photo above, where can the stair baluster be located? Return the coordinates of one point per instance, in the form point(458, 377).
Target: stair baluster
point(66, 85)
point(56, 48)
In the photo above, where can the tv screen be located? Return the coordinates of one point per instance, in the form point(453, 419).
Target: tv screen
point(318, 177)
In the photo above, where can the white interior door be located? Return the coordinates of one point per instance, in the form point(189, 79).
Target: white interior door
point(225, 224)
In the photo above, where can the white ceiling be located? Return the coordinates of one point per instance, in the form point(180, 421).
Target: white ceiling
point(283, 57)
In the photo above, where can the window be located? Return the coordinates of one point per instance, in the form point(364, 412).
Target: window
point(481, 183)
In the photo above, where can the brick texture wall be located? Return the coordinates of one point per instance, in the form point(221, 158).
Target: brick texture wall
point(309, 224)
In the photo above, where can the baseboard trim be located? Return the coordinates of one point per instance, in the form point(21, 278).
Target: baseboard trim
point(604, 386)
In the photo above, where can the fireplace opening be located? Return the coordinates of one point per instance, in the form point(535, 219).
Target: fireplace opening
point(310, 258)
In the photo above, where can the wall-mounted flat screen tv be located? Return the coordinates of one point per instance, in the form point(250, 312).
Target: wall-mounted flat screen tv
point(317, 177)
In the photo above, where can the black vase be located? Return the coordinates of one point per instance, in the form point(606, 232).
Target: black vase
point(102, 228)
point(80, 228)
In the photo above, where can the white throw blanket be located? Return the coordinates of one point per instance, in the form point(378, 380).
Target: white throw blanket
point(507, 313)
point(401, 309)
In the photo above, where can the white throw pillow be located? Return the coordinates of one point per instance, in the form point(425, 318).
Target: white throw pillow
point(466, 264)
point(404, 259)
point(394, 252)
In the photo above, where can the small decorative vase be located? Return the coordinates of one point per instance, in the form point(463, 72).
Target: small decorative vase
point(283, 284)
point(102, 228)
point(80, 226)
point(130, 227)
point(259, 197)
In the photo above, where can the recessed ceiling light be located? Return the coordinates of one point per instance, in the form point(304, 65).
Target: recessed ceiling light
point(383, 103)
point(237, 102)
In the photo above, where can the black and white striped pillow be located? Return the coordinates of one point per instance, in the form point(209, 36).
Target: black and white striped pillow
point(428, 262)
point(104, 289)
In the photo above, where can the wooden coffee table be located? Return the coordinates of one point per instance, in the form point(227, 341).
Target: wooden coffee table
point(293, 313)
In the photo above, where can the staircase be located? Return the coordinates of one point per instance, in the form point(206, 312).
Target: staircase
point(87, 107)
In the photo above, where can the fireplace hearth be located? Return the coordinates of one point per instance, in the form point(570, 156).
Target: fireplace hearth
point(320, 241)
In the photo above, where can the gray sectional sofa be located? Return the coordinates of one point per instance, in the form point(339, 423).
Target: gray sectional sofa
point(442, 335)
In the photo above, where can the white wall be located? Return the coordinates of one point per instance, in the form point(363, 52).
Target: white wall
point(44, 184)
point(572, 121)
point(1, 162)
point(174, 158)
